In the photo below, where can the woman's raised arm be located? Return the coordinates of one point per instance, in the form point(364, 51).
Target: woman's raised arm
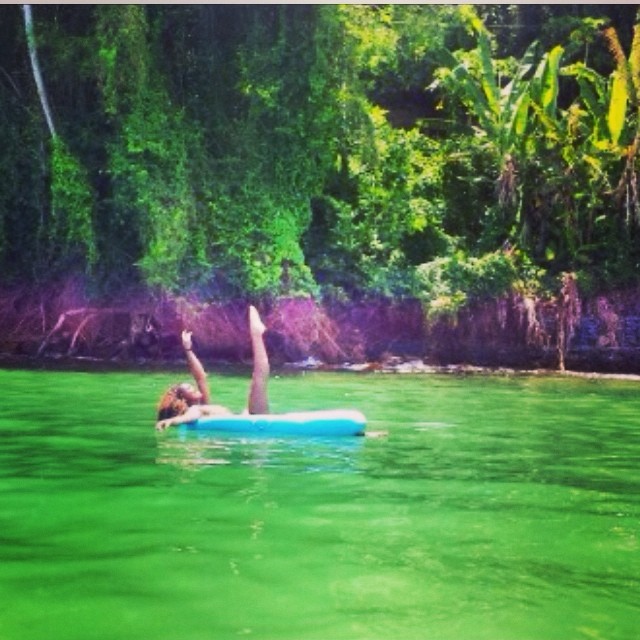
point(196, 368)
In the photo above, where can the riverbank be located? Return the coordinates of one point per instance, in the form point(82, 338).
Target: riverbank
point(598, 335)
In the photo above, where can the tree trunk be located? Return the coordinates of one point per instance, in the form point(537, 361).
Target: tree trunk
point(35, 66)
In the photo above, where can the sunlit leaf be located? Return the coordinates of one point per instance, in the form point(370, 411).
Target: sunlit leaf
point(617, 106)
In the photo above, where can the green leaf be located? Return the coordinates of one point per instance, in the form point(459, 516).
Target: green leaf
point(512, 92)
point(489, 86)
point(591, 100)
point(546, 80)
point(550, 95)
point(476, 100)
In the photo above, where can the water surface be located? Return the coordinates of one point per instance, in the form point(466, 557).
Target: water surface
point(497, 508)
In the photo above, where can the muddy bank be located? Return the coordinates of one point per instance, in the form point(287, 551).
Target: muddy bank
point(515, 333)
point(599, 334)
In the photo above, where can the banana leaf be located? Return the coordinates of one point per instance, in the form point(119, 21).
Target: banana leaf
point(545, 81)
point(617, 106)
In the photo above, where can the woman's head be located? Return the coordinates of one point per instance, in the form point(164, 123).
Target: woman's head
point(177, 399)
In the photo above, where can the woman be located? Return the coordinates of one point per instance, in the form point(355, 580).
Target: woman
point(185, 403)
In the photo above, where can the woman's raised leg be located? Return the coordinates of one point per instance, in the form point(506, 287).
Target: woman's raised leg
point(258, 401)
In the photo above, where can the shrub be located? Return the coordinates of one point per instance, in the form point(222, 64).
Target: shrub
point(448, 283)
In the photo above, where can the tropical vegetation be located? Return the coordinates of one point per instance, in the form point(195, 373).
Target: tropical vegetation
point(445, 152)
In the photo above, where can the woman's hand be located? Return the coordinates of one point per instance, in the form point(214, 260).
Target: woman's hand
point(190, 415)
point(161, 425)
point(186, 340)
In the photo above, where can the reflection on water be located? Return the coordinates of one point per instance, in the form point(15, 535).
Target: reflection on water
point(193, 453)
point(189, 449)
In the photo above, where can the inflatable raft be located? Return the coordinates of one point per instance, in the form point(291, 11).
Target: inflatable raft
point(333, 422)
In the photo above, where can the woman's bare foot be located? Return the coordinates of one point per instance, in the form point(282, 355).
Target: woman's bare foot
point(256, 326)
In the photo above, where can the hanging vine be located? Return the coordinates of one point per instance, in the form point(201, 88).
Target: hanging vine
point(69, 230)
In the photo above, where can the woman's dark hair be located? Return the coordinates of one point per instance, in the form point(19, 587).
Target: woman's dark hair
point(172, 403)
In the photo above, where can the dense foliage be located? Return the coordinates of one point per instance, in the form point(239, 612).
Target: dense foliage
point(449, 152)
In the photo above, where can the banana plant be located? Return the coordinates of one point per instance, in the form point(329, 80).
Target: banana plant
point(503, 110)
point(531, 138)
point(612, 115)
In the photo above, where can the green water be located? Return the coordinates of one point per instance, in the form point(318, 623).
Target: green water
point(497, 508)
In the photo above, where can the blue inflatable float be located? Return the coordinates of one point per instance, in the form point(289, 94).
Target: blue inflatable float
point(332, 422)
